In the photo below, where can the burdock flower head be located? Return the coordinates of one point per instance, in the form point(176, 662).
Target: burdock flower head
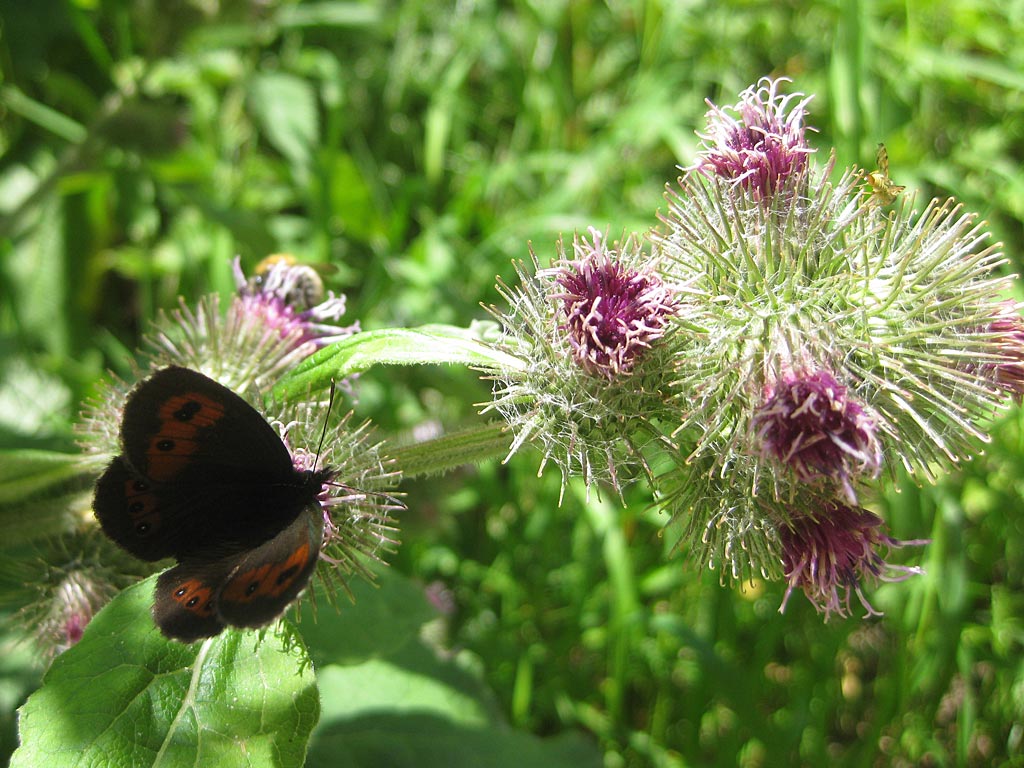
point(276, 319)
point(810, 422)
point(1006, 333)
point(611, 311)
point(357, 499)
point(763, 146)
point(829, 342)
point(291, 298)
point(831, 554)
point(62, 586)
point(589, 331)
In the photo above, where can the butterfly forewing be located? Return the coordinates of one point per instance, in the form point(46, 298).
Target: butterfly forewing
point(202, 472)
point(180, 426)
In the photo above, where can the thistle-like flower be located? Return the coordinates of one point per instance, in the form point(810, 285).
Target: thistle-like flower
point(291, 298)
point(588, 330)
point(611, 311)
point(276, 319)
point(62, 586)
point(1006, 332)
point(357, 500)
point(828, 341)
point(830, 555)
point(75, 602)
point(763, 146)
point(269, 326)
point(809, 423)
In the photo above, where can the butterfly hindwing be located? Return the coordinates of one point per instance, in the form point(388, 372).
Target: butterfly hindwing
point(185, 601)
point(267, 579)
point(132, 514)
point(198, 597)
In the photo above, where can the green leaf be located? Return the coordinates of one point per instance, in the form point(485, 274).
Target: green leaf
point(55, 487)
point(26, 473)
point(384, 616)
point(428, 344)
point(285, 107)
point(125, 696)
point(413, 709)
point(394, 700)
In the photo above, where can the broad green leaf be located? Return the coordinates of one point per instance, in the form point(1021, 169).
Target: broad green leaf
point(384, 616)
point(42, 493)
point(19, 674)
point(414, 709)
point(426, 345)
point(404, 704)
point(286, 109)
point(125, 696)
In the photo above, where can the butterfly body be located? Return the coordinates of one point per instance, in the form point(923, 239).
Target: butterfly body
point(203, 478)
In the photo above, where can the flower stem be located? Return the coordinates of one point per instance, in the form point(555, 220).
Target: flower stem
point(443, 454)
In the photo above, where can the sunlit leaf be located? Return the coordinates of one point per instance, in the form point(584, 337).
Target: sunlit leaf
point(126, 696)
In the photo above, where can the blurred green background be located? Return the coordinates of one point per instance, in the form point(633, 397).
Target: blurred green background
point(418, 147)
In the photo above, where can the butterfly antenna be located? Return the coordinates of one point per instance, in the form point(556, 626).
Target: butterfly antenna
point(323, 432)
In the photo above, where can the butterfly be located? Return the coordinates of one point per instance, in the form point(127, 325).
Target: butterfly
point(883, 191)
point(203, 478)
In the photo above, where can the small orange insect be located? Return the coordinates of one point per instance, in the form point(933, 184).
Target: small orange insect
point(883, 191)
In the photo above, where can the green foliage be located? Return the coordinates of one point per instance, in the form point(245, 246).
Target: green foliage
point(415, 147)
point(391, 346)
point(123, 696)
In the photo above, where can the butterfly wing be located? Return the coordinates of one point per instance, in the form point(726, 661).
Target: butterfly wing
point(199, 596)
point(180, 425)
point(203, 473)
point(267, 579)
point(132, 514)
point(185, 602)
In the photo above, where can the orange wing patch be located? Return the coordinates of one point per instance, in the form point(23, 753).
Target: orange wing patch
point(270, 580)
point(194, 596)
point(182, 418)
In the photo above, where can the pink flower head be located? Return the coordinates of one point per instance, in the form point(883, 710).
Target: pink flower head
point(290, 297)
point(810, 424)
point(830, 555)
point(76, 600)
point(1008, 329)
point(763, 146)
point(612, 311)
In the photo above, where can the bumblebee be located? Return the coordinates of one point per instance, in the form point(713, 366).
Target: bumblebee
point(298, 285)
